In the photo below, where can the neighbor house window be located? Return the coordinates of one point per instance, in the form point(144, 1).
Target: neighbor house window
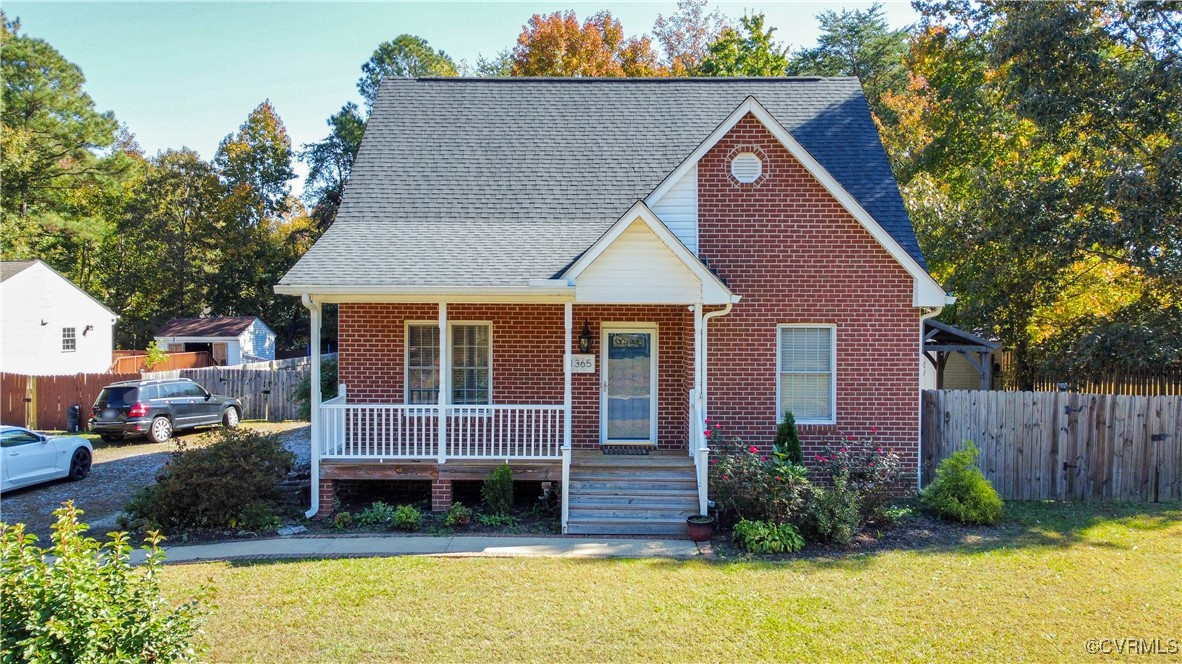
point(69, 341)
point(807, 373)
point(471, 362)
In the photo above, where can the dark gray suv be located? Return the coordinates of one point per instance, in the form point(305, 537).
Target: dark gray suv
point(156, 408)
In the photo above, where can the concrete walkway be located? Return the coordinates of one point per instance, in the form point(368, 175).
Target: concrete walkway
point(494, 547)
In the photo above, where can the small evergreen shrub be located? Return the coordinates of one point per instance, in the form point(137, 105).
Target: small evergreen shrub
point(407, 517)
point(765, 537)
point(81, 601)
point(497, 491)
point(787, 446)
point(302, 392)
point(835, 512)
point(459, 516)
point(960, 492)
point(233, 482)
point(377, 515)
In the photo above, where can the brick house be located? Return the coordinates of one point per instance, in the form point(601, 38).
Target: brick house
point(570, 275)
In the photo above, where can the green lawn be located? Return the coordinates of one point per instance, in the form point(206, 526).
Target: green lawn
point(1036, 588)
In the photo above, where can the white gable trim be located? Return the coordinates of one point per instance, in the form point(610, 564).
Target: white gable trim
point(713, 290)
point(926, 292)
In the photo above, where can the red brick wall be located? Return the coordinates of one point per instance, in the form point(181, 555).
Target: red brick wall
point(527, 357)
point(797, 256)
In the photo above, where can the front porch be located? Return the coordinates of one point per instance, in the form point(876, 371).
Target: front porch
point(641, 392)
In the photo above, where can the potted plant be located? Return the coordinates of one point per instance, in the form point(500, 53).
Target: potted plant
point(701, 526)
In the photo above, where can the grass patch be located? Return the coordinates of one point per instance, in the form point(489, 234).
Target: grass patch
point(1034, 588)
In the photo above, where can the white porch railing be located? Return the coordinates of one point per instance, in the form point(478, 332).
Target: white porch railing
point(698, 449)
point(363, 431)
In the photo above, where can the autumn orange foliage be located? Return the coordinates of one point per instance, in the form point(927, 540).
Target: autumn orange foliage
point(558, 45)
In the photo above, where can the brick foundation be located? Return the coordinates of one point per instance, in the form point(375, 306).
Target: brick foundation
point(327, 493)
point(441, 495)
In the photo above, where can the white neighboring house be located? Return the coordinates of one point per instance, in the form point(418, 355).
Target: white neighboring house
point(49, 326)
point(230, 339)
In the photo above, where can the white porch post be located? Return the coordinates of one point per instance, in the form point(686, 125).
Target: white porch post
point(444, 379)
point(317, 435)
point(568, 326)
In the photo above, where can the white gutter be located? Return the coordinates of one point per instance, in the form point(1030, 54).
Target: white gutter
point(314, 401)
point(551, 287)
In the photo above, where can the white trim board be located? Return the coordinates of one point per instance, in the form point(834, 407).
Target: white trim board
point(925, 293)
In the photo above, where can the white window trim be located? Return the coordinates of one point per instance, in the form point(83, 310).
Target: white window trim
point(450, 325)
point(654, 407)
point(779, 416)
point(73, 338)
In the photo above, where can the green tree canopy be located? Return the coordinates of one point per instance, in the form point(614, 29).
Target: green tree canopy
point(406, 56)
point(329, 163)
point(858, 43)
point(753, 53)
point(50, 139)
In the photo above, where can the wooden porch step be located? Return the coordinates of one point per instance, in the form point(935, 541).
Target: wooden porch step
point(628, 513)
point(614, 496)
point(637, 485)
point(631, 462)
point(626, 526)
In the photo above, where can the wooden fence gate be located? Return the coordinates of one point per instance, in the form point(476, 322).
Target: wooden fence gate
point(1061, 445)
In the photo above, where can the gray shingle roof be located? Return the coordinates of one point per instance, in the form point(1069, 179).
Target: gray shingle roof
point(12, 268)
point(492, 182)
point(218, 326)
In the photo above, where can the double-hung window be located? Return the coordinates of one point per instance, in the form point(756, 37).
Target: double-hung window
point(807, 373)
point(471, 363)
point(69, 340)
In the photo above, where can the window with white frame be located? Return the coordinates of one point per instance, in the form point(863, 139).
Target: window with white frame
point(69, 340)
point(471, 363)
point(806, 364)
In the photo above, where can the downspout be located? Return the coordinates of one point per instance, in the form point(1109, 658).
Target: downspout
point(314, 400)
point(705, 330)
point(923, 317)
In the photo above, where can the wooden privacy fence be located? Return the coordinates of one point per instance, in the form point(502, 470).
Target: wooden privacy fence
point(265, 393)
point(195, 360)
point(1061, 445)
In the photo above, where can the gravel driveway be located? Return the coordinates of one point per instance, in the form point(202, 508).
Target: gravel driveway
point(119, 470)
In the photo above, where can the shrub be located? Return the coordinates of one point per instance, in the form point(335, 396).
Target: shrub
point(960, 492)
point(787, 446)
point(497, 491)
point(764, 537)
point(379, 514)
point(342, 520)
point(875, 473)
point(407, 517)
point(834, 513)
point(232, 482)
point(82, 601)
point(458, 515)
point(302, 392)
point(748, 485)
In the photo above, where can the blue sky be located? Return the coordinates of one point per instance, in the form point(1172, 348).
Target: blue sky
point(187, 74)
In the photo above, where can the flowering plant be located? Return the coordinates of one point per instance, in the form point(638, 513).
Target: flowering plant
point(749, 485)
point(874, 472)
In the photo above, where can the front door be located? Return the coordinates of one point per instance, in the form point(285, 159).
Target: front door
point(628, 401)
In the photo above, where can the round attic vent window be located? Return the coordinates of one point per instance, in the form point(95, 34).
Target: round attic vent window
point(746, 167)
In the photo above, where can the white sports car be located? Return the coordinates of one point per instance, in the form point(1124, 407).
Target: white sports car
point(27, 457)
